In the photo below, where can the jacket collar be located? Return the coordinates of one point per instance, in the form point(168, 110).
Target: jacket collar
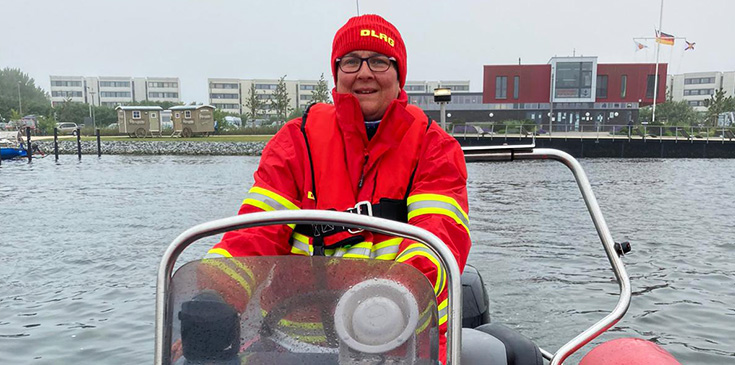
point(393, 125)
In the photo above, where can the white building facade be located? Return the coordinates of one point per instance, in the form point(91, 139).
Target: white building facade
point(420, 87)
point(111, 91)
point(696, 87)
point(231, 95)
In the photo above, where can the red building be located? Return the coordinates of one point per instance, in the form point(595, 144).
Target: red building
point(573, 91)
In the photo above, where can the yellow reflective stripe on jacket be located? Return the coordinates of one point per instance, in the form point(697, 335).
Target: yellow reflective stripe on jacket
point(300, 245)
point(419, 249)
point(442, 311)
point(310, 332)
point(217, 252)
point(386, 250)
point(425, 318)
point(267, 200)
point(421, 204)
point(359, 251)
point(220, 265)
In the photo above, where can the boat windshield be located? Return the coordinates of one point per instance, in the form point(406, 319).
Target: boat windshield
point(293, 309)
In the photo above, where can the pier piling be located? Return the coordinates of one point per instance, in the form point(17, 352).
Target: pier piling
point(29, 147)
point(99, 144)
point(56, 143)
point(79, 143)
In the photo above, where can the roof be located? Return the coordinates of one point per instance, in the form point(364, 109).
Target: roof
point(190, 107)
point(133, 107)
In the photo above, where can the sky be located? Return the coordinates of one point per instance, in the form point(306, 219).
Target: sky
point(266, 39)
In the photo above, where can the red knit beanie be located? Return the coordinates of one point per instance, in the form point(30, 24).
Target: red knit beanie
point(370, 32)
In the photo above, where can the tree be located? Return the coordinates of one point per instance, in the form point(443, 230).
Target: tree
point(717, 104)
point(280, 102)
point(104, 115)
point(253, 104)
point(33, 99)
point(69, 111)
point(296, 113)
point(677, 113)
point(321, 92)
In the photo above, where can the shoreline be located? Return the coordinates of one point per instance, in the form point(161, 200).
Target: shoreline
point(69, 147)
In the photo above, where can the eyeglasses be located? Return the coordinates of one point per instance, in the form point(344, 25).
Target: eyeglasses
point(352, 64)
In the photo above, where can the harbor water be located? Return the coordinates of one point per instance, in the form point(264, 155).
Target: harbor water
point(80, 244)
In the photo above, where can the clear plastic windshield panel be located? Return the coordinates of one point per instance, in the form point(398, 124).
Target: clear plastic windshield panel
point(305, 310)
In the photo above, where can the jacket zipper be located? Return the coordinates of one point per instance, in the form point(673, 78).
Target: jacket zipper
point(362, 174)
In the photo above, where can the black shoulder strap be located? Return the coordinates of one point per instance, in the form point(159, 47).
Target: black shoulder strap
point(410, 180)
point(308, 150)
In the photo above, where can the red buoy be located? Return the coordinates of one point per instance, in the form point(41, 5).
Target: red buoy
point(628, 351)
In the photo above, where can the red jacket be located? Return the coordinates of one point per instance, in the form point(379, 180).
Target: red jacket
point(349, 168)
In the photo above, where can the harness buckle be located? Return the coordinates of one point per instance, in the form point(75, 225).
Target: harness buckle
point(363, 208)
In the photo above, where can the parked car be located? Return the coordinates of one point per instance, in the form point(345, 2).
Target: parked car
point(67, 128)
point(113, 126)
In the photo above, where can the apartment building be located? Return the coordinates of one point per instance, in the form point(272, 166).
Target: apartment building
point(418, 87)
point(111, 91)
point(696, 87)
point(230, 95)
point(68, 88)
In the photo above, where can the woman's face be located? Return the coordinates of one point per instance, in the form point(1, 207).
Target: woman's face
point(374, 90)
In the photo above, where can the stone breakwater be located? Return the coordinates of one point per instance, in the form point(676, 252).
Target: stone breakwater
point(157, 148)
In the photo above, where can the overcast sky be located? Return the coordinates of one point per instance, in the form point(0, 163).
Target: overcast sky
point(446, 40)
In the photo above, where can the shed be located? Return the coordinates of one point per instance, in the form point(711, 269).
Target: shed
point(192, 120)
point(139, 121)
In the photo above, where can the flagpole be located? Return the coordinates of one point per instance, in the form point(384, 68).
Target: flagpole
point(658, 46)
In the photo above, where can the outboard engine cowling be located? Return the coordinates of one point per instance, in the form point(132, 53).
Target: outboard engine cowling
point(475, 301)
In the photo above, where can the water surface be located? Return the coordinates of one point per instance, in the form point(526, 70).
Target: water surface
point(80, 244)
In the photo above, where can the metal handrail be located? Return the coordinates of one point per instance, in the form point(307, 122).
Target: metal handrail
point(528, 152)
point(600, 131)
point(380, 225)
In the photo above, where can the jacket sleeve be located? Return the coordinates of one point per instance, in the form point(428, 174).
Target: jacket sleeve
point(437, 202)
point(276, 187)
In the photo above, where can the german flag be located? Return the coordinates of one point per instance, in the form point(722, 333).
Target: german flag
point(664, 38)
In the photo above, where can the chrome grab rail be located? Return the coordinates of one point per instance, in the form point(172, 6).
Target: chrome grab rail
point(380, 225)
point(528, 152)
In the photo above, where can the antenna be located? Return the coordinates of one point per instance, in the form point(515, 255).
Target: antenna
point(357, 3)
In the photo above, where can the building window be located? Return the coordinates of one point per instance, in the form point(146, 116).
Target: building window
point(136, 114)
point(114, 83)
point(688, 92)
point(650, 85)
point(306, 97)
point(224, 96)
point(602, 86)
point(153, 114)
point(226, 106)
point(623, 86)
point(114, 94)
point(66, 83)
point(177, 115)
point(161, 85)
point(66, 94)
point(415, 88)
point(224, 86)
point(501, 87)
point(699, 80)
point(187, 114)
point(516, 86)
point(307, 87)
point(573, 80)
point(265, 86)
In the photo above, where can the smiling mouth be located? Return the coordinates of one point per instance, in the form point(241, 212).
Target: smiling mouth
point(365, 92)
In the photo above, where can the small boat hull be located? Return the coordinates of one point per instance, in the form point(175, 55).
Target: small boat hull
point(7, 153)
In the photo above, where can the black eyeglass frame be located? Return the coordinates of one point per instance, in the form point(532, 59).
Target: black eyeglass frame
point(392, 60)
